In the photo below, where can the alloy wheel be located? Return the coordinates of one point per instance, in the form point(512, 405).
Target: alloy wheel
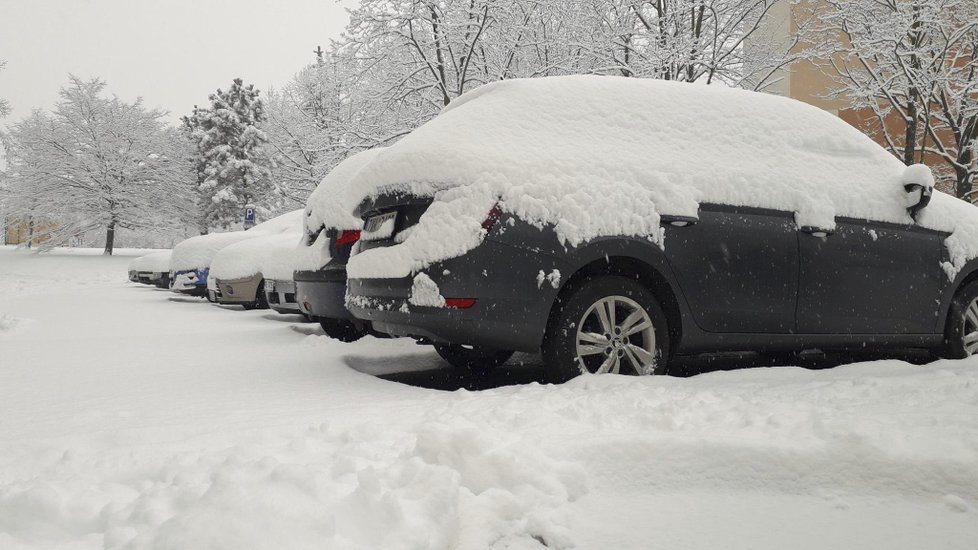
point(616, 335)
point(969, 330)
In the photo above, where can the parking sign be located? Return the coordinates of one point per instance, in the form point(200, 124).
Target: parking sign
point(249, 216)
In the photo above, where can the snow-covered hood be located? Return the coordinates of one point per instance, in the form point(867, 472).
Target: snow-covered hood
point(198, 252)
point(567, 151)
point(155, 262)
point(332, 203)
point(259, 255)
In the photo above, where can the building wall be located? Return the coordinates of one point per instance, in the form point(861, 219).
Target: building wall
point(813, 81)
point(18, 232)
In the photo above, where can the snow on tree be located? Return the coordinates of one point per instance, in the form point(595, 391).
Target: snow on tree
point(415, 56)
point(190, 127)
point(95, 163)
point(913, 65)
point(307, 124)
point(688, 40)
point(230, 154)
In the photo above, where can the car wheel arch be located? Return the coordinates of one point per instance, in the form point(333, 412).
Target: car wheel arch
point(967, 275)
point(651, 276)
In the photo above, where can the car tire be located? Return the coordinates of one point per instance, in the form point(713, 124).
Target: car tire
point(961, 329)
point(343, 330)
point(261, 302)
point(476, 360)
point(577, 318)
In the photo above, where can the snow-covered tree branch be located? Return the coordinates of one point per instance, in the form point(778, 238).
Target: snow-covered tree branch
point(912, 65)
point(94, 163)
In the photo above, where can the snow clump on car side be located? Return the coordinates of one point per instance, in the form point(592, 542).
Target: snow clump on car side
point(425, 292)
point(594, 156)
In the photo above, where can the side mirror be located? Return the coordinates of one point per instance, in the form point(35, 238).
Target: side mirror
point(918, 182)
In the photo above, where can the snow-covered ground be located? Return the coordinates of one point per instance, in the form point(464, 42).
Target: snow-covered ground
point(134, 418)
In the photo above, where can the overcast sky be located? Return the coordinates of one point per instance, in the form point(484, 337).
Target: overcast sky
point(173, 53)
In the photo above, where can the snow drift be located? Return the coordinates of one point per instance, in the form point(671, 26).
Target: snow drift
point(197, 252)
point(567, 151)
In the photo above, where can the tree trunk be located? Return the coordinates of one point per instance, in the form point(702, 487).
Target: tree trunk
point(30, 231)
point(963, 175)
point(910, 143)
point(109, 238)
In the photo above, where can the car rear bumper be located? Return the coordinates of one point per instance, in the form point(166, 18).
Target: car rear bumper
point(322, 293)
point(280, 295)
point(510, 312)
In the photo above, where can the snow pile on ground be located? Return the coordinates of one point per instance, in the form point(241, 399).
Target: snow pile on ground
point(431, 486)
point(257, 432)
point(197, 252)
point(271, 253)
point(331, 204)
point(156, 262)
point(10, 324)
point(568, 150)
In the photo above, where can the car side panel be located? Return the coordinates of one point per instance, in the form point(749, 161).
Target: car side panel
point(738, 268)
point(871, 278)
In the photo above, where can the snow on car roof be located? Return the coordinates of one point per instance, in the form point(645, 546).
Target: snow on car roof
point(197, 252)
point(332, 203)
point(257, 255)
point(597, 156)
point(157, 262)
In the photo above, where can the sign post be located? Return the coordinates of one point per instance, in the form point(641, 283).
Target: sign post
point(249, 217)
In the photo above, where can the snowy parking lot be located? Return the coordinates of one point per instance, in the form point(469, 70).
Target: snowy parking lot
point(131, 417)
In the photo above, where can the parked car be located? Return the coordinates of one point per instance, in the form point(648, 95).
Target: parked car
point(191, 259)
point(613, 223)
point(240, 270)
point(277, 270)
point(151, 269)
point(331, 231)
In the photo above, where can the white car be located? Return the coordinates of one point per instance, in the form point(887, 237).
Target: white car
point(151, 269)
point(191, 259)
point(245, 272)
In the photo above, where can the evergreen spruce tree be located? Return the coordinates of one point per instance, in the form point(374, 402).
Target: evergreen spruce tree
point(230, 160)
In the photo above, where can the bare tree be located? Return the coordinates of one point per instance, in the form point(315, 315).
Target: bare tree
point(688, 40)
point(95, 162)
point(912, 65)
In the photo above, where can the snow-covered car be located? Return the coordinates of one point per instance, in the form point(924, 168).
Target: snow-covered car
point(611, 223)
point(191, 259)
point(277, 271)
point(241, 271)
point(151, 269)
point(331, 232)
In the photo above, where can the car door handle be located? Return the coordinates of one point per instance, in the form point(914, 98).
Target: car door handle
point(678, 221)
point(816, 231)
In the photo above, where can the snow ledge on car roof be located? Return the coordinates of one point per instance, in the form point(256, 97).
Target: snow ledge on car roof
point(567, 151)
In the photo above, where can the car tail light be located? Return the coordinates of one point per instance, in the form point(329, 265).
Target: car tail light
point(459, 303)
point(347, 237)
point(493, 217)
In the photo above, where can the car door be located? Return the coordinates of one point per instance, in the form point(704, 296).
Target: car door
point(737, 268)
point(870, 278)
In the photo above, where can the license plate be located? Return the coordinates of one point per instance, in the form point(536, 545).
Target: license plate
point(379, 227)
